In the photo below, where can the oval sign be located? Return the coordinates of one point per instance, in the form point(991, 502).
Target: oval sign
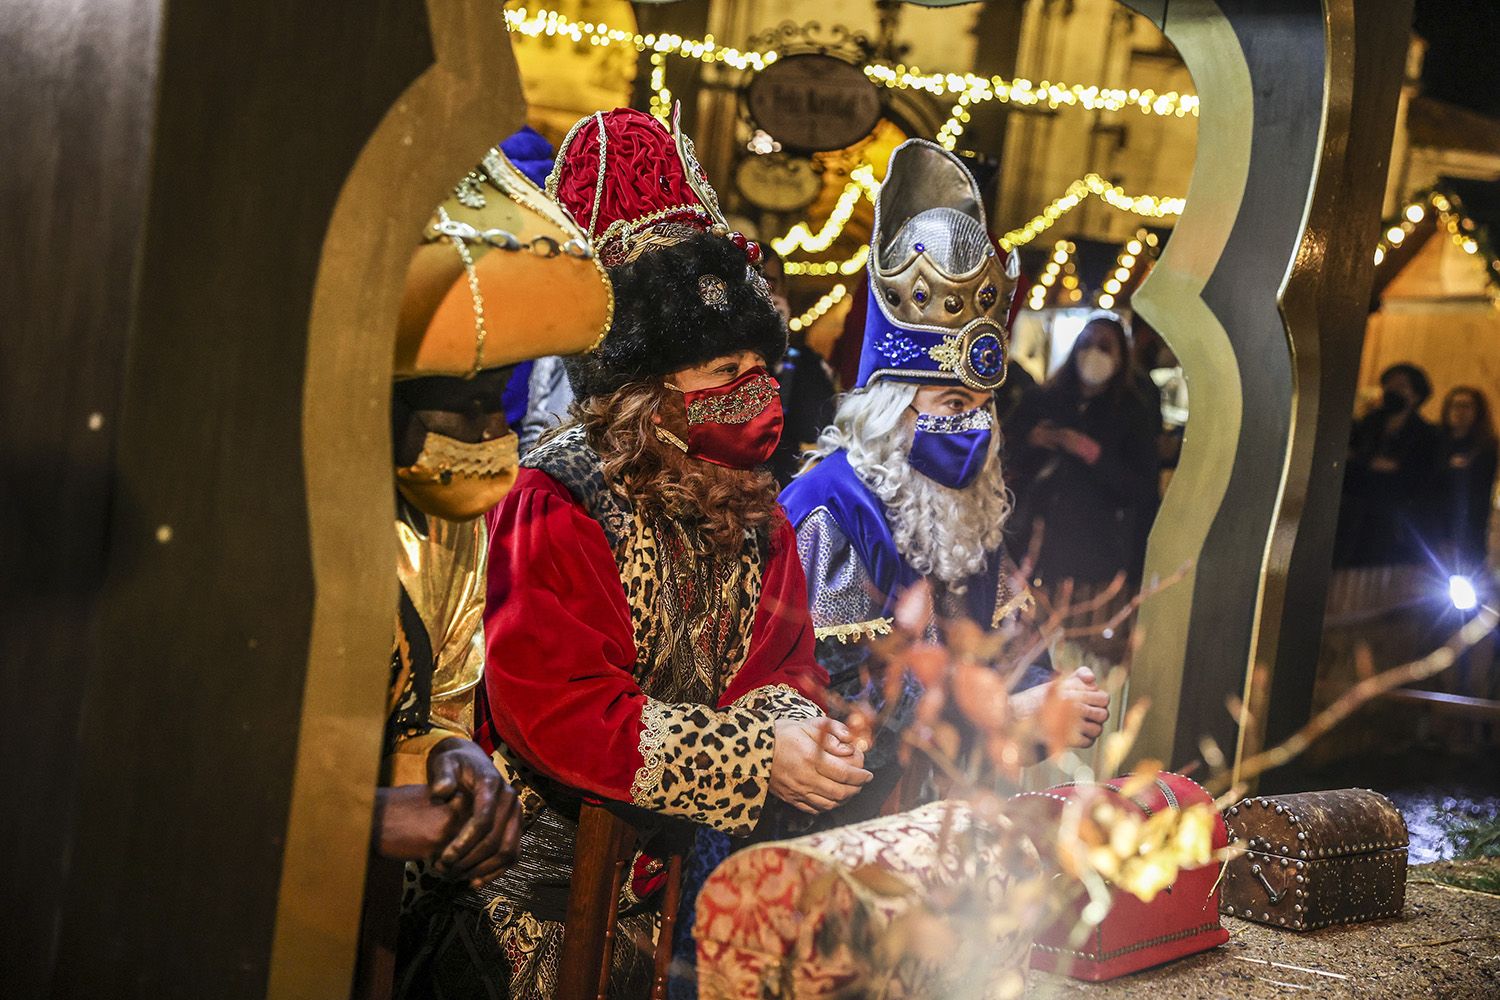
point(778, 183)
point(814, 102)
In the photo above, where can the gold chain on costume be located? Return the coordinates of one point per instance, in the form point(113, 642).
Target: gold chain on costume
point(480, 332)
point(461, 234)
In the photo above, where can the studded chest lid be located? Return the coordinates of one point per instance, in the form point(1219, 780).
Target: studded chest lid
point(1313, 826)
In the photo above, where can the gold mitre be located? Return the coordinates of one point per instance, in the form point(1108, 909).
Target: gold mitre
point(503, 275)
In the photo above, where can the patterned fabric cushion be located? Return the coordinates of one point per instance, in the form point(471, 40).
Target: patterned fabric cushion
point(839, 913)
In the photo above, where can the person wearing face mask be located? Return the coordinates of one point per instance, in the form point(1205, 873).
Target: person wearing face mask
point(907, 485)
point(1466, 479)
point(444, 804)
point(646, 625)
point(1083, 457)
point(1386, 516)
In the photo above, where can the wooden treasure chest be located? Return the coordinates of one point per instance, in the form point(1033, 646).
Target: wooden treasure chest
point(1182, 920)
point(1316, 858)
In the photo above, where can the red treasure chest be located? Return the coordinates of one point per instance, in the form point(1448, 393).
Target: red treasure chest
point(1182, 920)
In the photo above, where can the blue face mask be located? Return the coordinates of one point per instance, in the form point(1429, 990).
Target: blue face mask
point(952, 450)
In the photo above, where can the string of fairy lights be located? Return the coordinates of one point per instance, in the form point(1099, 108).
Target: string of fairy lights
point(970, 90)
point(967, 91)
point(1450, 219)
point(862, 185)
point(815, 312)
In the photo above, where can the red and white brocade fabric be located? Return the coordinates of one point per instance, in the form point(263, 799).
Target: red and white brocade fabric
point(835, 914)
point(561, 688)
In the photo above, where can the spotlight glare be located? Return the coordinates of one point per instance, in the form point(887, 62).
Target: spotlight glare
point(1461, 593)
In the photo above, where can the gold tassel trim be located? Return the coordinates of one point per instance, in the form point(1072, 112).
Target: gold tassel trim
point(1020, 602)
point(855, 630)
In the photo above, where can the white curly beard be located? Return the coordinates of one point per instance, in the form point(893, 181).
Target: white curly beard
point(941, 532)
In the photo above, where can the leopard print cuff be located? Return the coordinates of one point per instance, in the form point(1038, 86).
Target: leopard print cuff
point(710, 767)
point(780, 701)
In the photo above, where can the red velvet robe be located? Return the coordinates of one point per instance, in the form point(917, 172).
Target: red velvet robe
point(560, 688)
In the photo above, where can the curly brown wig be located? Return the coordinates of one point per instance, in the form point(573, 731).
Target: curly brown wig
point(662, 482)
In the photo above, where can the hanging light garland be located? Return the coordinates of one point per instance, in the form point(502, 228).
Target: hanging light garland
point(819, 308)
point(971, 89)
point(550, 23)
point(1151, 206)
point(823, 268)
point(1451, 218)
point(862, 184)
point(1060, 273)
point(966, 87)
point(968, 90)
point(1130, 255)
point(661, 97)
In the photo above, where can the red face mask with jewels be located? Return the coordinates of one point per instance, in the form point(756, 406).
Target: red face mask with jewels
point(735, 425)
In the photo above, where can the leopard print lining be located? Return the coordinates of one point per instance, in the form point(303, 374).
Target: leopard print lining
point(714, 767)
point(692, 616)
point(780, 701)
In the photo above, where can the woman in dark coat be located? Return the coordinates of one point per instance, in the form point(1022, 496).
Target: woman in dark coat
point(1466, 478)
point(1081, 458)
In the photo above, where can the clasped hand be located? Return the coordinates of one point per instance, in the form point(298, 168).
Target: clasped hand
point(465, 820)
point(816, 764)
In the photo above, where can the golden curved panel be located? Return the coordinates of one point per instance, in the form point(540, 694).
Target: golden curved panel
point(1262, 292)
point(1171, 298)
point(433, 134)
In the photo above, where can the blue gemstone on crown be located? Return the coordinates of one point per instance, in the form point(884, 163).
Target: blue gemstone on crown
point(987, 356)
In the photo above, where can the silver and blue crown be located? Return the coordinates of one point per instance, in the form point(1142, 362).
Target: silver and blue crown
point(940, 292)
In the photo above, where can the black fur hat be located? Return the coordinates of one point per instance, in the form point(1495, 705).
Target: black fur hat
point(678, 305)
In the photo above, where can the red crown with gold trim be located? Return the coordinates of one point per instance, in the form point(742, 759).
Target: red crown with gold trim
point(633, 184)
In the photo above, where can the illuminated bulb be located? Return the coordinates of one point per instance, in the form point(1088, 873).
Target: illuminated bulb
point(1470, 246)
point(1379, 254)
point(1461, 593)
point(1151, 239)
point(1111, 286)
point(1121, 274)
point(1060, 257)
point(1048, 279)
point(1127, 261)
point(1395, 235)
point(1414, 213)
point(1106, 300)
point(1133, 247)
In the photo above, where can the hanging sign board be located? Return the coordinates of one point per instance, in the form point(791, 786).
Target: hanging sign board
point(778, 183)
point(814, 103)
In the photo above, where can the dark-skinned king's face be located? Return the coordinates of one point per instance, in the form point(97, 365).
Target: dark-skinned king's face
point(454, 451)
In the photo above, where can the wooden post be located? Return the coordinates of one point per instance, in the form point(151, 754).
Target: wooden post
point(215, 206)
point(601, 860)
